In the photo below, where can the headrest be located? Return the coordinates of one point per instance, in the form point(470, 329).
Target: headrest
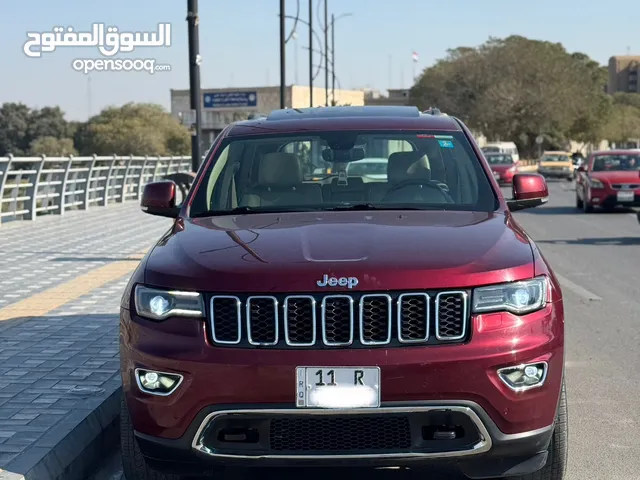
point(279, 169)
point(407, 165)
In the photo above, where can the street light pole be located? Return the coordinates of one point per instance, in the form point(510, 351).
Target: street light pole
point(311, 53)
point(282, 56)
point(326, 53)
point(194, 82)
point(333, 53)
point(333, 59)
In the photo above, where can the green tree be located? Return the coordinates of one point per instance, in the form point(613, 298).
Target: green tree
point(516, 89)
point(14, 123)
point(624, 122)
point(47, 122)
point(133, 129)
point(52, 147)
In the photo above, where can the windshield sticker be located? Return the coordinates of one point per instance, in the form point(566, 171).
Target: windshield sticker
point(446, 137)
point(445, 143)
point(425, 135)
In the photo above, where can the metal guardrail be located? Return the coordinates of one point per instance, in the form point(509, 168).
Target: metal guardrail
point(33, 186)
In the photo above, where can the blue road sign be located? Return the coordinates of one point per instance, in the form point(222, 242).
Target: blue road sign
point(230, 99)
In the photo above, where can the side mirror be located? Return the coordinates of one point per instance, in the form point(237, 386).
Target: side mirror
point(582, 168)
point(529, 190)
point(159, 198)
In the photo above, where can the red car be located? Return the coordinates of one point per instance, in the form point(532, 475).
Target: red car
point(290, 320)
point(503, 167)
point(608, 179)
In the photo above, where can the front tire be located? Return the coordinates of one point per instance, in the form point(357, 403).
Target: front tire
point(133, 463)
point(558, 450)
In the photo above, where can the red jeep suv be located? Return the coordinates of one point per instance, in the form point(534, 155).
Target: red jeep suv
point(297, 315)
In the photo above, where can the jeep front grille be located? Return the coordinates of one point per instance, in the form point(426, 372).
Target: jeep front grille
point(339, 320)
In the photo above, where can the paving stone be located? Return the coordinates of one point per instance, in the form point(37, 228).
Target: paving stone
point(62, 247)
point(45, 362)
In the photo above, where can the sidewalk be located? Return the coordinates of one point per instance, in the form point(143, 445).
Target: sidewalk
point(60, 295)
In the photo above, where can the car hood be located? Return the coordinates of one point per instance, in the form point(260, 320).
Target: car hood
point(384, 250)
point(617, 177)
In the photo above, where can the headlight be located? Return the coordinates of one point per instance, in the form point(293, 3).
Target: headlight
point(595, 183)
point(516, 297)
point(160, 304)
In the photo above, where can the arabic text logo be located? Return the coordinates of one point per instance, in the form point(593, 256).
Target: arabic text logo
point(109, 40)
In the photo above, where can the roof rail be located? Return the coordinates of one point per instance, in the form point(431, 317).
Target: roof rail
point(432, 111)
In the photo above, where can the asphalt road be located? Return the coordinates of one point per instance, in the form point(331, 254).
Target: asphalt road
point(597, 259)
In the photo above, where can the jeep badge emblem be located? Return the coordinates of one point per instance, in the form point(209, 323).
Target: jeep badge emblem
point(327, 281)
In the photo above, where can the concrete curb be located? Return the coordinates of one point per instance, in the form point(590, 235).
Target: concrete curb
point(74, 449)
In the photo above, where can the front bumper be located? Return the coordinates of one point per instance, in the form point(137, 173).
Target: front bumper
point(487, 453)
point(608, 198)
point(555, 173)
point(456, 378)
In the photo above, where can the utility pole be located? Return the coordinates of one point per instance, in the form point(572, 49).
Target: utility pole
point(326, 53)
point(282, 56)
point(194, 81)
point(333, 59)
point(311, 53)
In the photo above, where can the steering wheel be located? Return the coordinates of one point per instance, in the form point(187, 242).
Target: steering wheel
point(417, 182)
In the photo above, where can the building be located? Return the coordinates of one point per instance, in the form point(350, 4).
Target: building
point(397, 97)
point(222, 106)
point(623, 74)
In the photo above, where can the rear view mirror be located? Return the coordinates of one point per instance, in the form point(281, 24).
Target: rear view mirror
point(351, 155)
point(529, 190)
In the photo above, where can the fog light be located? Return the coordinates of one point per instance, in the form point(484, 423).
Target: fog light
point(524, 377)
point(157, 383)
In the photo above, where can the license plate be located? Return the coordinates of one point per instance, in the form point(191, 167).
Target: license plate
point(626, 196)
point(338, 387)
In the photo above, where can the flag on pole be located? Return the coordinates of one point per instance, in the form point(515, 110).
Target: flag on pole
point(415, 57)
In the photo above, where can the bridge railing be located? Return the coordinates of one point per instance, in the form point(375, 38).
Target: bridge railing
point(32, 186)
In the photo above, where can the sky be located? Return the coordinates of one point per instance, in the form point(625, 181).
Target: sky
point(239, 43)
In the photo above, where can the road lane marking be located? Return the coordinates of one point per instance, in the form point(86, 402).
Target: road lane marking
point(577, 289)
point(43, 302)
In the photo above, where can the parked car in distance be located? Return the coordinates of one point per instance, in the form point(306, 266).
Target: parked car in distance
point(370, 169)
point(287, 321)
point(503, 166)
point(507, 148)
point(556, 164)
point(608, 179)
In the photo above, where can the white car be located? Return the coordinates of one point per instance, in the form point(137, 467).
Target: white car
point(370, 169)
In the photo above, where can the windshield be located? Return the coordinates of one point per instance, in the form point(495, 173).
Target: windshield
point(556, 158)
point(328, 171)
point(491, 149)
point(616, 163)
point(499, 159)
